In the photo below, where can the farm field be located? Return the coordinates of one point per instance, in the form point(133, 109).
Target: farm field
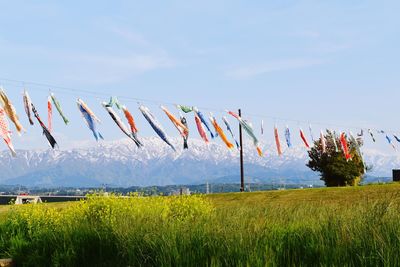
point(357, 226)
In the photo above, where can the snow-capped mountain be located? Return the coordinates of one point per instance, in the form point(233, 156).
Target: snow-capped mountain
point(120, 163)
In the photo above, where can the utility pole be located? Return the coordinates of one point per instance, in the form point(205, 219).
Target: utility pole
point(241, 155)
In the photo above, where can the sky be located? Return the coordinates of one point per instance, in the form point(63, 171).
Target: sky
point(331, 63)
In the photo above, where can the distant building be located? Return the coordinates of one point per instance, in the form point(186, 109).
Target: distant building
point(396, 175)
point(27, 200)
point(183, 191)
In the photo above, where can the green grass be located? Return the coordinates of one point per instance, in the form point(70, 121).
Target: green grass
point(357, 226)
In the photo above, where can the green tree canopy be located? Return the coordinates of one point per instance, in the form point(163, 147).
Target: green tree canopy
point(335, 170)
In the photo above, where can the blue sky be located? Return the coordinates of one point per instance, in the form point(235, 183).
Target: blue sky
point(334, 62)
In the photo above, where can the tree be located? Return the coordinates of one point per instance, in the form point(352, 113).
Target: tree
point(334, 168)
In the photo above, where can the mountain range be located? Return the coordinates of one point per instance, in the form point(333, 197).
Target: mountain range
point(120, 163)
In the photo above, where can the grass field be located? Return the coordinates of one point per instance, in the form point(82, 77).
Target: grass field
point(313, 227)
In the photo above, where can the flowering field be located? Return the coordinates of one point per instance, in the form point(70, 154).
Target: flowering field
point(318, 227)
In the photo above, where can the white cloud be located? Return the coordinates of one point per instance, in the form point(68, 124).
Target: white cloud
point(246, 72)
point(329, 47)
point(307, 34)
point(324, 43)
point(111, 68)
point(88, 67)
point(129, 35)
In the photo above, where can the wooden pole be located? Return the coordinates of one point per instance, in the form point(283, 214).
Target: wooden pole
point(241, 155)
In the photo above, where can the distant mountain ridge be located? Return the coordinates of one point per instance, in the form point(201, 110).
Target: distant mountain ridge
point(120, 163)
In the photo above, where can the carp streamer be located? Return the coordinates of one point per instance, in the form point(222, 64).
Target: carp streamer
point(221, 133)
point(58, 107)
point(176, 122)
point(119, 123)
point(10, 111)
point(262, 127)
point(247, 127)
point(114, 101)
point(303, 137)
point(28, 106)
point(389, 140)
point(185, 109)
point(87, 116)
point(287, 137)
point(323, 142)
point(88, 110)
point(131, 122)
point(200, 128)
point(228, 127)
point(332, 134)
point(49, 114)
point(356, 145)
point(182, 128)
point(345, 146)
point(155, 125)
point(277, 141)
point(185, 135)
point(46, 132)
point(5, 131)
point(372, 135)
point(203, 120)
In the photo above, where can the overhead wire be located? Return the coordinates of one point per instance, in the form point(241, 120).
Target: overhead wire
point(73, 91)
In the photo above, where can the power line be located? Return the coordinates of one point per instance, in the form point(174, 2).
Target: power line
point(69, 90)
point(62, 89)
